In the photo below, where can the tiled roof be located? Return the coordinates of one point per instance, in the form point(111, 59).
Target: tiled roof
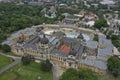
point(64, 48)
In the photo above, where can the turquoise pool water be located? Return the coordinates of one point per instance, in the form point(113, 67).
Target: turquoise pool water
point(75, 35)
point(72, 35)
point(86, 37)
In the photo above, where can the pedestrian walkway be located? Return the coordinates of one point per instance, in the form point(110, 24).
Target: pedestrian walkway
point(10, 65)
point(16, 61)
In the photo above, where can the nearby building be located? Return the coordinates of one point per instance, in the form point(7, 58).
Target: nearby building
point(80, 14)
point(70, 19)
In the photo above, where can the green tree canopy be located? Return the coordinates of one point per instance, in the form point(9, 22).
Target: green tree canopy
point(82, 74)
point(46, 65)
point(70, 74)
point(26, 60)
point(15, 17)
point(87, 74)
point(100, 23)
point(6, 48)
point(114, 66)
point(95, 37)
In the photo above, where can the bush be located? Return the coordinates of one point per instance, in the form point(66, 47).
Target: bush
point(82, 74)
point(95, 38)
point(6, 48)
point(46, 66)
point(114, 66)
point(26, 60)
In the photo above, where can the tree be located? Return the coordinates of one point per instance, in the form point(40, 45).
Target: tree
point(26, 60)
point(0, 46)
point(46, 65)
point(82, 74)
point(100, 23)
point(70, 74)
point(113, 64)
point(87, 74)
point(6, 48)
point(114, 37)
point(95, 38)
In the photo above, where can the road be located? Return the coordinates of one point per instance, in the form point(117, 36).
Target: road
point(16, 61)
point(54, 70)
point(10, 65)
point(13, 57)
point(57, 71)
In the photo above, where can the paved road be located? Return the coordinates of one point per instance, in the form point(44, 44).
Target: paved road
point(10, 65)
point(16, 61)
point(54, 70)
point(13, 57)
point(57, 72)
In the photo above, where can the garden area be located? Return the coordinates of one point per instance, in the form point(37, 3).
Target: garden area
point(31, 71)
point(4, 61)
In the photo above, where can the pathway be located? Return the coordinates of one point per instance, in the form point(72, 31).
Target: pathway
point(57, 72)
point(16, 61)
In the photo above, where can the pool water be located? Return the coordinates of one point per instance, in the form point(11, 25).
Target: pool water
point(75, 35)
point(86, 37)
point(72, 35)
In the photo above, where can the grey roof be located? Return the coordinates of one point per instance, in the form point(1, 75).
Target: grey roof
point(34, 47)
point(102, 57)
point(79, 52)
point(100, 64)
point(108, 50)
point(95, 63)
point(60, 53)
point(104, 52)
point(69, 40)
point(102, 36)
point(15, 35)
point(55, 41)
point(86, 61)
point(33, 40)
point(9, 42)
point(92, 44)
point(71, 17)
point(51, 39)
point(29, 33)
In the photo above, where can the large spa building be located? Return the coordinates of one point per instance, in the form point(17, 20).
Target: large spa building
point(64, 45)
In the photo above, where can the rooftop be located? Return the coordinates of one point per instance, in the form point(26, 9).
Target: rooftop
point(107, 49)
point(92, 44)
point(64, 48)
point(58, 52)
point(95, 63)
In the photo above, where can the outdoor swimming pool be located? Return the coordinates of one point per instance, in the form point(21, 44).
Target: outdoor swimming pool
point(71, 35)
point(86, 37)
point(75, 35)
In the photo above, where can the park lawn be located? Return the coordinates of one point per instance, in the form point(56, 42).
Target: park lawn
point(29, 72)
point(4, 61)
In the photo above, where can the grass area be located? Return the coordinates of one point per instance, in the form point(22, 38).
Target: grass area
point(4, 61)
point(13, 54)
point(29, 72)
point(108, 77)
